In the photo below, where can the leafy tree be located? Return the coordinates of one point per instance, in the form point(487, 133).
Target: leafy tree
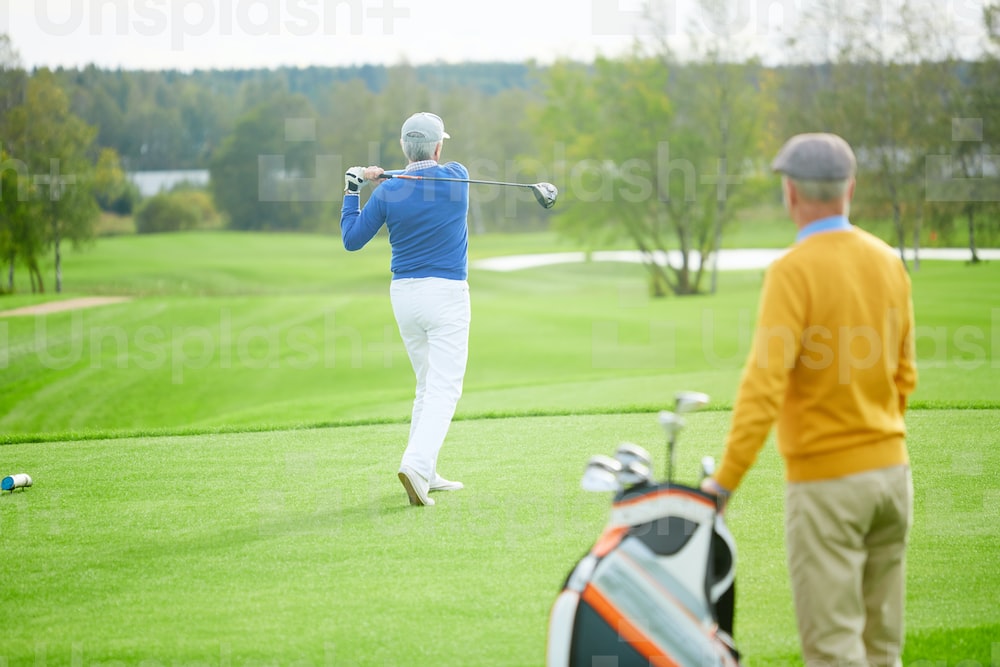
point(892, 85)
point(651, 160)
point(991, 20)
point(984, 84)
point(954, 151)
point(12, 81)
point(205, 119)
point(493, 137)
point(113, 190)
point(20, 238)
point(404, 93)
point(865, 94)
point(53, 143)
point(267, 175)
point(604, 121)
point(350, 128)
point(720, 110)
point(15, 178)
point(91, 98)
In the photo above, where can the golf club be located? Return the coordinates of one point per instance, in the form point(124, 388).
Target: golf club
point(707, 467)
point(672, 424)
point(634, 473)
point(601, 474)
point(689, 401)
point(635, 462)
point(628, 452)
point(684, 403)
point(545, 193)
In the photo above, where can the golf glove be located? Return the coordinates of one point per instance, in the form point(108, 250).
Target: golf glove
point(354, 179)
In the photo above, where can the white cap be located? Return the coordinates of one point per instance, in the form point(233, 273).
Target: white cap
point(424, 127)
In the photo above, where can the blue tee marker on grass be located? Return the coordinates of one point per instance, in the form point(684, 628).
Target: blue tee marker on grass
point(11, 482)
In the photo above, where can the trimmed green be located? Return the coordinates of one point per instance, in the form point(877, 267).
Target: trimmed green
point(297, 547)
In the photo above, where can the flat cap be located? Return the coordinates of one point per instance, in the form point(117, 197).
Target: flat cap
point(817, 156)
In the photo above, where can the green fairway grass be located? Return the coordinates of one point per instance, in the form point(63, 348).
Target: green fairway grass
point(297, 547)
point(214, 460)
point(243, 331)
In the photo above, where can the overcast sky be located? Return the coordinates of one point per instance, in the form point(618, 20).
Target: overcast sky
point(201, 34)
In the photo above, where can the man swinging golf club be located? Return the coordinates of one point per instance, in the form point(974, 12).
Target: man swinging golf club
point(428, 233)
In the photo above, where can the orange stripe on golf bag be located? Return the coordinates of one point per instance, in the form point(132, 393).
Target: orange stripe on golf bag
point(638, 640)
point(609, 539)
point(672, 491)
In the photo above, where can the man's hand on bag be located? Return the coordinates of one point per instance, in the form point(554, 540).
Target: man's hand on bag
point(722, 494)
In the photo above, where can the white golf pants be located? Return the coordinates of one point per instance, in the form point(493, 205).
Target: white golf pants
point(433, 315)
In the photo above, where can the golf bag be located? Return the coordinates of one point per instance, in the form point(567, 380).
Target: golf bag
point(656, 589)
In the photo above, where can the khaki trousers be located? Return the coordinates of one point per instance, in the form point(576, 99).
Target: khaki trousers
point(846, 543)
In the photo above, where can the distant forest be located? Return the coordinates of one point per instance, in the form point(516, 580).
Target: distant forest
point(174, 120)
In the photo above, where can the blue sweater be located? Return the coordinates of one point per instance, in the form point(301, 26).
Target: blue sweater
point(427, 222)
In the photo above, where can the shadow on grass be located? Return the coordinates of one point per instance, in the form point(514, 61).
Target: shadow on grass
point(948, 647)
point(333, 519)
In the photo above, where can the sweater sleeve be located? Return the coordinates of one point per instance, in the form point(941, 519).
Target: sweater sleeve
point(358, 226)
point(906, 370)
point(776, 346)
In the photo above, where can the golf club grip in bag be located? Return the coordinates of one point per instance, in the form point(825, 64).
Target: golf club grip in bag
point(656, 589)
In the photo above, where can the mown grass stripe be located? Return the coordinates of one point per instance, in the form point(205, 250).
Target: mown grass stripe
point(78, 436)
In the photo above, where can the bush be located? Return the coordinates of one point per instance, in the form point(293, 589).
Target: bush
point(201, 202)
point(177, 211)
point(122, 201)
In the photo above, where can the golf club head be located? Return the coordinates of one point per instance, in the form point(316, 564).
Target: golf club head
point(628, 452)
point(545, 193)
point(635, 473)
point(601, 474)
point(671, 423)
point(707, 467)
point(689, 401)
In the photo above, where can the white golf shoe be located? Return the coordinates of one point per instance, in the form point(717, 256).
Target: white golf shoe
point(416, 486)
point(442, 484)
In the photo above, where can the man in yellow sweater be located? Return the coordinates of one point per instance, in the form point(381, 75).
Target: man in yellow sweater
point(832, 362)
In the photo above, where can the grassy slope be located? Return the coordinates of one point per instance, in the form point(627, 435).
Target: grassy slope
point(284, 546)
point(245, 331)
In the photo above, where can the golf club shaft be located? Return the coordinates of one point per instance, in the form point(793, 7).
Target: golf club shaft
point(670, 460)
point(412, 177)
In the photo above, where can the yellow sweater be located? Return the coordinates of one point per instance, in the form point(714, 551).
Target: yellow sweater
point(832, 361)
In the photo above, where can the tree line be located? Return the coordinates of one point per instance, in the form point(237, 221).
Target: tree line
point(160, 120)
point(659, 150)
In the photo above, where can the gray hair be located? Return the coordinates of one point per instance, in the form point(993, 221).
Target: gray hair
point(821, 190)
point(415, 151)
